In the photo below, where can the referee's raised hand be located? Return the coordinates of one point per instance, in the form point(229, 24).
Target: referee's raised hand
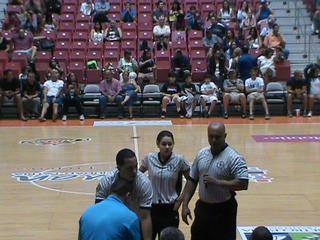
point(185, 213)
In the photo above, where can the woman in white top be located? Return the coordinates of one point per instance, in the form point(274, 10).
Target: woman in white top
point(253, 38)
point(226, 13)
point(97, 33)
point(165, 170)
point(243, 11)
point(267, 65)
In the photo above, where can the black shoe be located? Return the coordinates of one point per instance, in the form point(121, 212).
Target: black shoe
point(163, 114)
point(181, 114)
point(226, 116)
point(243, 115)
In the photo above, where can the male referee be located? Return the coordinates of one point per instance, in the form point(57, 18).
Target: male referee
point(220, 171)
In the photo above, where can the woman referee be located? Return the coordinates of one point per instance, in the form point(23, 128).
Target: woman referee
point(165, 169)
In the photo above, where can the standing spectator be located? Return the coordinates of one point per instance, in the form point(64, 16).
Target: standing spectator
point(113, 32)
point(209, 95)
point(297, 89)
point(171, 233)
point(112, 218)
point(97, 33)
point(255, 90)
point(175, 12)
point(127, 62)
point(110, 89)
point(276, 41)
point(160, 11)
point(316, 22)
point(180, 65)
point(10, 89)
point(161, 31)
point(52, 94)
point(87, 8)
point(234, 93)
point(246, 63)
point(220, 171)
point(171, 94)
point(226, 13)
point(72, 96)
point(4, 43)
point(31, 90)
point(188, 99)
point(146, 68)
point(165, 170)
point(129, 13)
point(261, 233)
point(266, 64)
point(314, 86)
point(101, 9)
point(264, 11)
point(243, 11)
point(23, 43)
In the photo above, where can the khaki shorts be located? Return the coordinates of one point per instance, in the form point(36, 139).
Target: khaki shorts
point(209, 98)
point(234, 97)
point(255, 96)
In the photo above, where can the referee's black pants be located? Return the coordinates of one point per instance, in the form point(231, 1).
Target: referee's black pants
point(162, 216)
point(215, 221)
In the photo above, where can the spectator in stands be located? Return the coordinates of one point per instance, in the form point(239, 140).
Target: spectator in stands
point(35, 12)
point(54, 64)
point(243, 11)
point(189, 98)
point(234, 93)
point(23, 43)
point(314, 86)
point(4, 43)
point(27, 22)
point(264, 11)
point(255, 90)
point(209, 95)
point(146, 69)
point(10, 89)
point(229, 53)
point(87, 8)
point(160, 11)
point(72, 96)
point(226, 13)
point(101, 9)
point(144, 45)
point(234, 61)
point(129, 13)
point(127, 62)
point(161, 31)
point(171, 233)
point(217, 28)
point(266, 64)
point(113, 32)
point(194, 20)
point(253, 39)
point(261, 233)
point(97, 33)
point(180, 65)
point(218, 55)
point(12, 22)
point(110, 89)
point(316, 22)
point(52, 6)
point(210, 42)
point(297, 89)
point(31, 90)
point(171, 94)
point(246, 63)
point(50, 24)
point(248, 23)
point(230, 42)
point(208, 19)
point(175, 12)
point(276, 41)
point(52, 94)
point(268, 28)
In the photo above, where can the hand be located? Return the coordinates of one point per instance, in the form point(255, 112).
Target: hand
point(111, 98)
point(185, 213)
point(210, 180)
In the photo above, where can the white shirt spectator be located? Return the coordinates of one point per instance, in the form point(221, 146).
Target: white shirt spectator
point(207, 87)
point(164, 31)
point(53, 87)
point(257, 83)
point(315, 86)
point(87, 8)
point(266, 63)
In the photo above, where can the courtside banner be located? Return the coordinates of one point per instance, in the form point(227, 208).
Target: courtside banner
point(287, 138)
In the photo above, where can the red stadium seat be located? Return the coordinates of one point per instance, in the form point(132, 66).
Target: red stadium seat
point(129, 27)
point(77, 56)
point(63, 45)
point(195, 35)
point(69, 9)
point(129, 36)
point(67, 17)
point(82, 27)
point(114, 17)
point(20, 58)
point(178, 36)
point(62, 36)
point(14, 67)
point(62, 56)
point(95, 46)
point(111, 56)
point(82, 46)
point(94, 76)
point(70, 2)
point(129, 44)
point(83, 18)
point(49, 34)
point(115, 8)
point(162, 71)
point(283, 70)
point(94, 55)
point(78, 68)
point(80, 36)
point(111, 45)
point(197, 54)
point(66, 26)
point(3, 59)
point(145, 35)
point(13, 9)
point(42, 70)
point(162, 56)
point(43, 57)
point(199, 69)
point(144, 9)
point(195, 45)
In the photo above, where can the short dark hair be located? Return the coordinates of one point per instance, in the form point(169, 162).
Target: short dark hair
point(171, 233)
point(171, 74)
point(123, 154)
point(245, 49)
point(261, 233)
point(256, 69)
point(121, 187)
point(163, 134)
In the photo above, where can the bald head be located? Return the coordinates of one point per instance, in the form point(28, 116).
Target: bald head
point(216, 135)
point(261, 233)
point(217, 126)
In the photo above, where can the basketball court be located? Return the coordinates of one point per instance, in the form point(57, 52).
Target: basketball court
point(49, 171)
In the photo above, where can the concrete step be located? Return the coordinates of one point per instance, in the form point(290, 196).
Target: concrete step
point(279, 4)
point(291, 21)
point(283, 12)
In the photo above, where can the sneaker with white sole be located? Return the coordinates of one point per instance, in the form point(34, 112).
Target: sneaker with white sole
point(81, 117)
point(310, 114)
point(64, 118)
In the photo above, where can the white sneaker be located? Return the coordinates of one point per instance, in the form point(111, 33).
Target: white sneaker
point(81, 117)
point(310, 114)
point(64, 118)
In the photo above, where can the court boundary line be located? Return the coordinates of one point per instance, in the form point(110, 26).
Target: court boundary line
point(136, 144)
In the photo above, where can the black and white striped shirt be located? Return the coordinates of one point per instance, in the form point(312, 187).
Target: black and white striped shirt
point(142, 192)
point(227, 165)
point(165, 178)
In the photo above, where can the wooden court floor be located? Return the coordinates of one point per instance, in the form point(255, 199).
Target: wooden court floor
point(50, 209)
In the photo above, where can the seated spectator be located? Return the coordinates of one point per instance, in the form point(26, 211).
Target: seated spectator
point(316, 22)
point(72, 96)
point(10, 89)
point(160, 11)
point(97, 33)
point(54, 64)
point(253, 39)
point(264, 11)
point(171, 94)
point(175, 12)
point(113, 32)
point(87, 8)
point(255, 90)
point(161, 44)
point(23, 43)
point(127, 62)
point(266, 64)
point(129, 92)
point(110, 89)
point(226, 13)
point(101, 9)
point(234, 93)
point(276, 41)
point(188, 96)
point(210, 42)
point(180, 65)
point(229, 53)
point(171, 233)
point(4, 43)
point(12, 22)
point(129, 13)
point(209, 95)
point(246, 63)
point(146, 69)
point(161, 31)
point(50, 24)
point(243, 11)
point(297, 89)
point(248, 23)
point(261, 233)
point(217, 28)
point(234, 61)
point(31, 90)
point(228, 42)
point(314, 86)
point(52, 95)
point(194, 20)
point(219, 56)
